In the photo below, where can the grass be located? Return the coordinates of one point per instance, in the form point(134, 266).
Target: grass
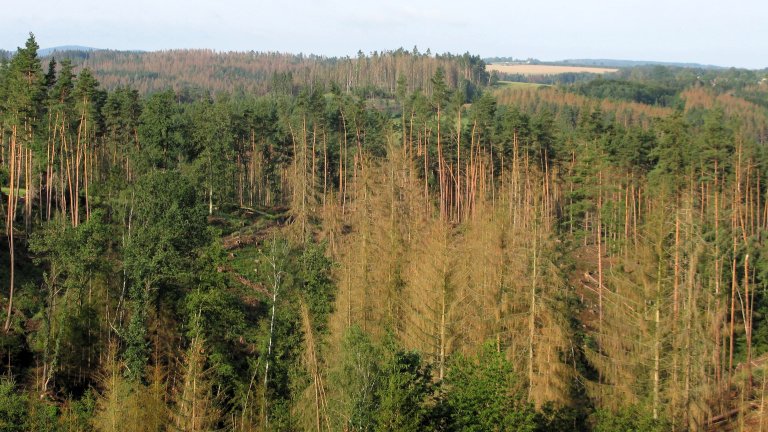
point(244, 261)
point(515, 84)
point(22, 192)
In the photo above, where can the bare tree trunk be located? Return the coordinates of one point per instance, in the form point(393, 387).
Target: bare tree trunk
point(78, 160)
point(321, 402)
point(49, 169)
point(748, 324)
point(443, 330)
point(687, 367)
point(325, 166)
point(762, 397)
point(342, 166)
point(426, 172)
point(718, 368)
point(532, 319)
point(277, 275)
point(29, 188)
point(657, 343)
point(734, 288)
point(86, 167)
point(440, 171)
point(458, 167)
point(12, 197)
point(67, 154)
point(676, 282)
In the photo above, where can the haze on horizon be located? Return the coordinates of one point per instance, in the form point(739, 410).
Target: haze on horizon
point(672, 31)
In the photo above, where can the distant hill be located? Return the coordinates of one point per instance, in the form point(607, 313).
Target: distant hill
point(264, 72)
point(44, 52)
point(606, 63)
point(631, 63)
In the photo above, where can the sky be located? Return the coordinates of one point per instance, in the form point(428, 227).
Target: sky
point(733, 33)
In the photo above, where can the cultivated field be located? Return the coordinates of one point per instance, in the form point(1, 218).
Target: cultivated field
point(526, 69)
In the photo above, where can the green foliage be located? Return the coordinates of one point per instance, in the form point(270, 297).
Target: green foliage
point(160, 252)
point(135, 335)
point(210, 145)
point(61, 93)
point(73, 254)
point(651, 94)
point(218, 315)
point(88, 101)
point(73, 257)
point(672, 154)
point(716, 143)
point(317, 287)
point(559, 419)
point(404, 392)
point(358, 379)
point(381, 388)
point(160, 127)
point(634, 150)
point(164, 312)
point(78, 414)
point(168, 225)
point(43, 417)
point(13, 407)
point(629, 419)
point(483, 394)
point(25, 84)
point(440, 93)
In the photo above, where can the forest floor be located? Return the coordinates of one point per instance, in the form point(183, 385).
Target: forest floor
point(584, 280)
point(244, 231)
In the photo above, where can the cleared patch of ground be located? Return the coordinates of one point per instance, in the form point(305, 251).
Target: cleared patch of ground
point(515, 84)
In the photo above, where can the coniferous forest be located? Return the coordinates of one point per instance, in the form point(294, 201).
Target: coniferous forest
point(393, 242)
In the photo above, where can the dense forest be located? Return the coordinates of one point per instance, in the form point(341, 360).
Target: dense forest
point(388, 243)
point(259, 73)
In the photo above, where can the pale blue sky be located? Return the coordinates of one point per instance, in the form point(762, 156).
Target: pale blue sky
point(733, 33)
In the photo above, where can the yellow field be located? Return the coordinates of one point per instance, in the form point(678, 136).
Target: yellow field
point(526, 69)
